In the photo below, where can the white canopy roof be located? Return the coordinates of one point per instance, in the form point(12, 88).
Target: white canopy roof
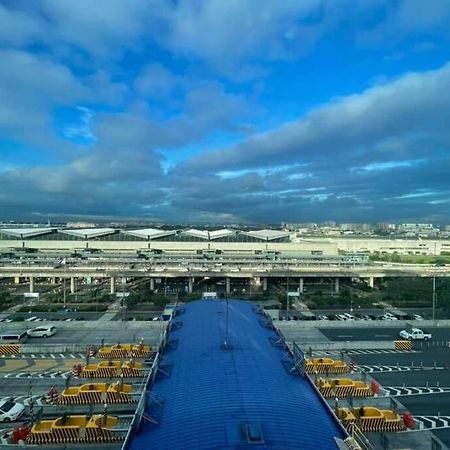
point(89, 233)
point(26, 232)
point(217, 234)
point(149, 233)
point(202, 234)
point(267, 235)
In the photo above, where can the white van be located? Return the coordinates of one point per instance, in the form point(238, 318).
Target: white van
point(13, 338)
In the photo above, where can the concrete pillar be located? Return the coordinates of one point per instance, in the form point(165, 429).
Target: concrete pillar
point(191, 285)
point(16, 280)
point(336, 286)
point(300, 285)
point(53, 280)
point(152, 284)
point(124, 280)
point(73, 285)
point(113, 285)
point(371, 281)
point(264, 284)
point(228, 285)
point(31, 284)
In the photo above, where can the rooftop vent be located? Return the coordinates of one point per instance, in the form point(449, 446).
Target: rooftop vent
point(252, 433)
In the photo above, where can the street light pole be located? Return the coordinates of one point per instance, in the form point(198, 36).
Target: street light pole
point(434, 296)
point(287, 297)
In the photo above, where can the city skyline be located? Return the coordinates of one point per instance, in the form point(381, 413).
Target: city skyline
point(225, 112)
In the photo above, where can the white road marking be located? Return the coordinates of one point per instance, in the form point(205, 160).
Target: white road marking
point(345, 336)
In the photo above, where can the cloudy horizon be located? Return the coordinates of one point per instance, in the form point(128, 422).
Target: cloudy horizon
point(225, 111)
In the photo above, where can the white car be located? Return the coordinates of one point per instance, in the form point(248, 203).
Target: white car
point(32, 319)
point(10, 410)
point(349, 316)
point(388, 316)
point(323, 318)
point(44, 331)
point(417, 317)
point(416, 334)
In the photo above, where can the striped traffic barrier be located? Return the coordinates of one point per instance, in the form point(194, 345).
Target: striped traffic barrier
point(343, 391)
point(362, 391)
point(10, 349)
point(403, 345)
point(371, 424)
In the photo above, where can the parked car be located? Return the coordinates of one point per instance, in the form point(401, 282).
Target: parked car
point(10, 410)
point(44, 331)
point(349, 316)
point(323, 318)
point(417, 317)
point(366, 317)
point(416, 334)
point(32, 319)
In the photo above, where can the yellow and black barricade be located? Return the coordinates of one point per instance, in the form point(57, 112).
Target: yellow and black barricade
point(403, 345)
point(10, 349)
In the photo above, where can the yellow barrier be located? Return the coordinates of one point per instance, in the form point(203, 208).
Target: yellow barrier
point(99, 429)
point(125, 351)
point(343, 388)
point(120, 393)
point(325, 366)
point(132, 369)
point(346, 416)
point(393, 422)
point(10, 349)
point(97, 393)
point(104, 369)
point(403, 345)
point(74, 429)
point(372, 419)
point(362, 389)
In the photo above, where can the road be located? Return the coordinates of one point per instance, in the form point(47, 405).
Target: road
point(378, 333)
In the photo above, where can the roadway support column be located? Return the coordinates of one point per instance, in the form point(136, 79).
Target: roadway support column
point(190, 285)
point(300, 285)
point(16, 280)
point(113, 285)
point(53, 280)
point(228, 285)
point(73, 283)
point(264, 284)
point(152, 284)
point(336, 285)
point(31, 284)
point(371, 281)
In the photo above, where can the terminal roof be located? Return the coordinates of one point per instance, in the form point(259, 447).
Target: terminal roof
point(236, 398)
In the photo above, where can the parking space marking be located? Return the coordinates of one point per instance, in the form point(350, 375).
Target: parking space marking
point(401, 391)
point(27, 375)
point(431, 422)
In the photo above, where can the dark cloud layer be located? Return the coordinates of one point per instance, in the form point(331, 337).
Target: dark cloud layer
point(178, 144)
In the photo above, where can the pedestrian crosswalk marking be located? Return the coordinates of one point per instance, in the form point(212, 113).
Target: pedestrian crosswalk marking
point(378, 369)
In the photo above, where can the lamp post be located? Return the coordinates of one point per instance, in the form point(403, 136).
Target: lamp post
point(434, 296)
point(287, 297)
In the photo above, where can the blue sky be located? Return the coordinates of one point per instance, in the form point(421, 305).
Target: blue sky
point(225, 111)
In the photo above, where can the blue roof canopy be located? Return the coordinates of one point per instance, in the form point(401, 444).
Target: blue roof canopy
point(237, 398)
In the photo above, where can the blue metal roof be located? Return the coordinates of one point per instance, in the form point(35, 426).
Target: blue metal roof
point(212, 393)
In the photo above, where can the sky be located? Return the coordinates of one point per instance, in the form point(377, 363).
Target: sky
point(225, 111)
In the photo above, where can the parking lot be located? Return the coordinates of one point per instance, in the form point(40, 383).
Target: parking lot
point(427, 366)
point(43, 363)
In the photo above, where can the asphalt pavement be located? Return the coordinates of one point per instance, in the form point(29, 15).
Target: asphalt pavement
point(379, 333)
